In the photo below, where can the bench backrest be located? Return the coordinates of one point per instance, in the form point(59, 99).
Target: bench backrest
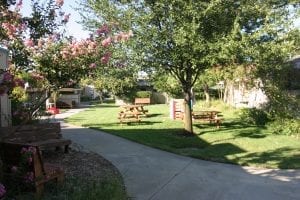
point(141, 101)
point(13, 153)
point(32, 132)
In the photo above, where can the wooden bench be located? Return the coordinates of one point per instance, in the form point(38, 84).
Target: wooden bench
point(35, 171)
point(142, 101)
point(44, 136)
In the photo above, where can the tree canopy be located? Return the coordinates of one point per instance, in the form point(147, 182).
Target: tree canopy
point(184, 38)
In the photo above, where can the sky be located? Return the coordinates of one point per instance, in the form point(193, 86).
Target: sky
point(73, 28)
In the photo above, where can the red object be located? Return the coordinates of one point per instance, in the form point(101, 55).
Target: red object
point(53, 110)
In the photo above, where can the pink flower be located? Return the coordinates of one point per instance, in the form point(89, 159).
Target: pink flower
point(14, 169)
point(106, 42)
point(10, 29)
point(103, 30)
point(7, 77)
point(66, 18)
point(106, 57)
point(23, 150)
point(19, 4)
point(32, 150)
point(2, 190)
point(93, 66)
point(30, 160)
point(29, 43)
point(59, 2)
point(29, 177)
point(19, 82)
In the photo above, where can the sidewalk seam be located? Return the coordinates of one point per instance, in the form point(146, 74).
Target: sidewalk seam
point(175, 175)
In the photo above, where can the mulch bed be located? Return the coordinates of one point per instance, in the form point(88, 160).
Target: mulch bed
point(80, 163)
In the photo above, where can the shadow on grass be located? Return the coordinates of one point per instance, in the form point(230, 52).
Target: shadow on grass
point(242, 129)
point(176, 141)
point(277, 157)
point(153, 115)
point(99, 126)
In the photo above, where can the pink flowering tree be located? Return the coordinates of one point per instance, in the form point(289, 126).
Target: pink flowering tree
point(36, 46)
point(112, 71)
point(65, 61)
point(19, 35)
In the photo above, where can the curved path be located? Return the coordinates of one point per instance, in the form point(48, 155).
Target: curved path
point(152, 174)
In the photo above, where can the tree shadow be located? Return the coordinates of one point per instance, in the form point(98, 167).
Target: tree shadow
point(278, 157)
point(153, 115)
point(99, 125)
point(242, 129)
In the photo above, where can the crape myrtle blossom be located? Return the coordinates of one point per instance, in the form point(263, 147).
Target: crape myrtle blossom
point(59, 3)
point(119, 37)
point(93, 66)
point(29, 43)
point(106, 57)
point(106, 42)
point(19, 4)
point(12, 30)
point(66, 18)
point(9, 81)
point(103, 30)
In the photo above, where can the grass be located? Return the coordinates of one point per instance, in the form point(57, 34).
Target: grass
point(78, 189)
point(235, 142)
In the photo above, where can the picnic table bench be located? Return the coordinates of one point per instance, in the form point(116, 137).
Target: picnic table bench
point(142, 101)
point(211, 116)
point(44, 136)
point(12, 155)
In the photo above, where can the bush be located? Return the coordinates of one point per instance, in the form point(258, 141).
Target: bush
point(285, 126)
point(143, 94)
point(254, 116)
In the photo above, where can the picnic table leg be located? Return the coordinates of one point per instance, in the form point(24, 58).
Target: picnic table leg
point(39, 191)
point(218, 123)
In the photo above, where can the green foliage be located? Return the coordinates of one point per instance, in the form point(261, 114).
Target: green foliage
point(285, 126)
point(185, 38)
point(166, 83)
point(143, 94)
point(254, 116)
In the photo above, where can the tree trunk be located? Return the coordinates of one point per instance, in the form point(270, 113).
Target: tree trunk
point(206, 92)
point(188, 123)
point(100, 96)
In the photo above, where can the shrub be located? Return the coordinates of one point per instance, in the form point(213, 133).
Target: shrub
point(286, 126)
point(143, 94)
point(254, 116)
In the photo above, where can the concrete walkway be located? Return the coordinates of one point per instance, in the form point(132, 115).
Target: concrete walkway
point(151, 174)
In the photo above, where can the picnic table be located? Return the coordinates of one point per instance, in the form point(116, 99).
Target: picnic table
point(131, 113)
point(208, 115)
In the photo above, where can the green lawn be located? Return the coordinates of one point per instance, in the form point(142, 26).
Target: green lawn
point(234, 142)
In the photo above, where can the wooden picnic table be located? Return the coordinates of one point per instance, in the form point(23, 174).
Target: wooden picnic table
point(208, 115)
point(131, 113)
point(134, 108)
